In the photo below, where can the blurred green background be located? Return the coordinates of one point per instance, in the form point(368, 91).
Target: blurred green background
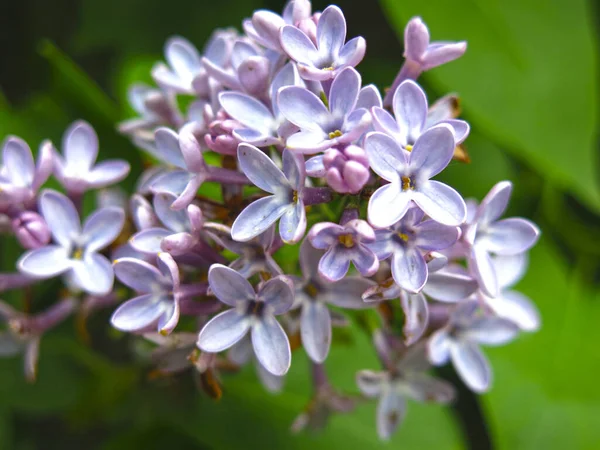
point(528, 85)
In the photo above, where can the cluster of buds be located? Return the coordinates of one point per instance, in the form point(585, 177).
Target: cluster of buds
point(301, 152)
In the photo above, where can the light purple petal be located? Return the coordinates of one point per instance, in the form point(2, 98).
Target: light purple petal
point(149, 240)
point(352, 52)
point(409, 270)
point(440, 202)
point(315, 328)
point(297, 45)
point(344, 92)
point(384, 122)
point(229, 286)
point(492, 331)
point(416, 315)
point(510, 269)
point(248, 111)
point(107, 172)
point(138, 275)
point(471, 365)
point(383, 246)
point(334, 264)
point(425, 388)
point(446, 286)
point(294, 169)
point(260, 169)
point(258, 216)
point(365, 261)
point(167, 145)
point(416, 39)
point(176, 221)
point(315, 167)
point(370, 383)
point(433, 151)
point(433, 236)
point(386, 157)
point(292, 225)
point(45, 262)
point(509, 236)
point(80, 148)
point(302, 108)
point(169, 318)
point(271, 346)
point(391, 410)
point(30, 360)
point(138, 313)
point(441, 53)
point(308, 142)
point(460, 127)
point(325, 234)
point(169, 269)
point(94, 274)
point(223, 331)
point(173, 183)
point(438, 348)
point(347, 293)
point(270, 382)
point(482, 268)
point(388, 205)
point(102, 227)
point(517, 308)
point(369, 97)
point(61, 217)
point(331, 31)
point(410, 109)
point(183, 57)
point(494, 204)
point(278, 293)
point(254, 137)
point(18, 162)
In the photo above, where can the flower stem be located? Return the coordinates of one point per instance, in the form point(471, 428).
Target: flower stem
point(221, 175)
point(410, 70)
point(316, 195)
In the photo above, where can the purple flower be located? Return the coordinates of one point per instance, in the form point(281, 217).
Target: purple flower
point(406, 379)
point(255, 255)
point(75, 252)
point(263, 126)
point(412, 118)
point(251, 311)
point(158, 306)
point(409, 175)
point(405, 241)
point(487, 235)
point(76, 169)
point(20, 178)
point(344, 243)
point(313, 294)
point(286, 201)
point(331, 54)
point(323, 127)
point(460, 340)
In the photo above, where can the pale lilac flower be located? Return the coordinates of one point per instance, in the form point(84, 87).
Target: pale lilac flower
point(262, 126)
point(331, 54)
point(344, 243)
point(460, 340)
point(179, 234)
point(450, 284)
point(411, 117)
point(251, 311)
point(265, 25)
point(321, 126)
point(486, 235)
point(286, 201)
point(254, 255)
point(409, 175)
point(407, 379)
point(30, 229)
point(242, 352)
point(510, 304)
point(75, 252)
point(158, 305)
point(25, 331)
point(405, 243)
point(422, 55)
point(20, 177)
point(77, 170)
point(313, 294)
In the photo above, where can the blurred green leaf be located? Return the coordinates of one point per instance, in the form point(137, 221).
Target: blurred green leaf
point(528, 80)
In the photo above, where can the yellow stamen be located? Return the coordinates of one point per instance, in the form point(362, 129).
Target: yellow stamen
point(403, 236)
point(311, 290)
point(78, 254)
point(335, 134)
point(409, 148)
point(407, 184)
point(295, 197)
point(346, 240)
point(328, 68)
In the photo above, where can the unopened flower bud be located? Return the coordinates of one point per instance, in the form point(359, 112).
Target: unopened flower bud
point(31, 230)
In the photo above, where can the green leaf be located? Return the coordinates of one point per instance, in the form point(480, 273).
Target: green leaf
point(528, 80)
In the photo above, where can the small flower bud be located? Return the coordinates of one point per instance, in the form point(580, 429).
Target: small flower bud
point(31, 230)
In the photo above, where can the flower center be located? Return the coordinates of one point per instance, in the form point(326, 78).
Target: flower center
point(77, 253)
point(403, 236)
point(346, 240)
point(409, 147)
point(408, 184)
point(295, 197)
point(335, 134)
point(255, 308)
point(311, 290)
point(328, 68)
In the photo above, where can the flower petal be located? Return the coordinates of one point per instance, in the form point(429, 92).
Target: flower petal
point(331, 31)
point(410, 110)
point(384, 122)
point(344, 92)
point(386, 157)
point(387, 205)
point(409, 269)
point(107, 173)
point(257, 217)
point(440, 202)
point(229, 286)
point(138, 313)
point(94, 274)
point(309, 259)
point(167, 146)
point(303, 108)
point(260, 169)
point(183, 57)
point(471, 365)
point(481, 266)
point(292, 225)
point(308, 142)
point(432, 151)
point(138, 275)
point(45, 262)
point(509, 236)
point(510, 269)
point(271, 346)
point(61, 216)
point(149, 240)
point(278, 293)
point(494, 203)
point(80, 147)
point(223, 331)
point(315, 168)
point(297, 45)
point(102, 227)
point(18, 162)
point(391, 410)
point(334, 264)
point(416, 314)
point(248, 111)
point(315, 330)
point(425, 388)
point(173, 183)
point(365, 261)
point(346, 294)
point(438, 348)
point(492, 331)
point(352, 52)
point(517, 308)
point(446, 286)
point(370, 383)
point(432, 235)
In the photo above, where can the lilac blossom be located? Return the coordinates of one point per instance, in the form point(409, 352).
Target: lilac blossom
point(406, 379)
point(251, 311)
point(321, 126)
point(331, 53)
point(286, 201)
point(405, 241)
point(20, 177)
point(75, 251)
point(158, 304)
point(422, 55)
point(262, 126)
point(344, 243)
point(411, 117)
point(460, 340)
point(76, 169)
point(409, 175)
point(486, 235)
point(313, 294)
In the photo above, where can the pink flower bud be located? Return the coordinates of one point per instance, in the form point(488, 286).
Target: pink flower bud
point(31, 230)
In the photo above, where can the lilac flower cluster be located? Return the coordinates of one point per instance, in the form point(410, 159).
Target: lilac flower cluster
point(301, 152)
